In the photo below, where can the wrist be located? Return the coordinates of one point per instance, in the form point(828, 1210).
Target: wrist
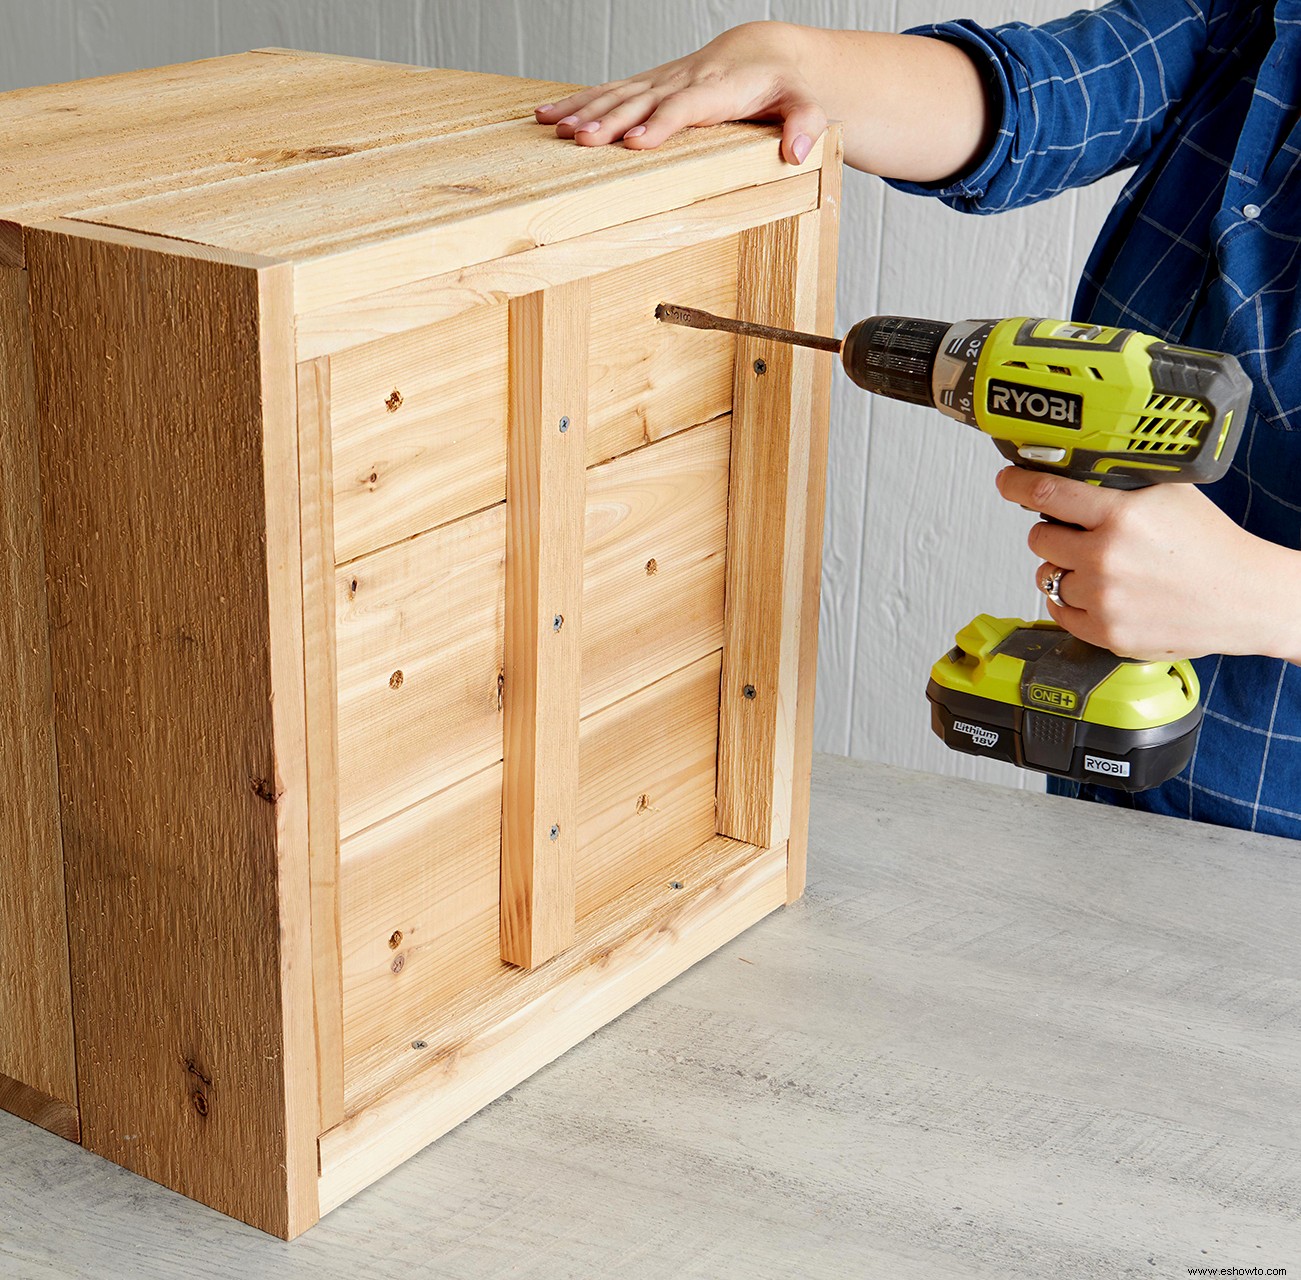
point(1267, 612)
point(1281, 591)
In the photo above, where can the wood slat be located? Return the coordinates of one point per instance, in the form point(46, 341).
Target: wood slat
point(647, 769)
point(421, 892)
point(420, 908)
point(766, 549)
point(164, 391)
point(546, 509)
point(376, 220)
point(36, 1046)
point(38, 1108)
point(486, 1045)
point(815, 516)
point(427, 301)
point(321, 675)
point(421, 634)
point(654, 562)
point(585, 189)
point(188, 127)
point(419, 430)
point(645, 381)
point(432, 609)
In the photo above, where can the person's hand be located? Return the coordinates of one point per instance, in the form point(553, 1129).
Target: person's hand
point(751, 72)
point(1159, 572)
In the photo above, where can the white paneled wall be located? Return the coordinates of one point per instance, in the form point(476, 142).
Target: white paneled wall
point(917, 540)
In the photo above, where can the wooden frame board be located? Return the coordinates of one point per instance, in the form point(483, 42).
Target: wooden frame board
point(185, 851)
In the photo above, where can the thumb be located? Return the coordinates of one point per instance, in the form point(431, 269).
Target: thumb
point(803, 123)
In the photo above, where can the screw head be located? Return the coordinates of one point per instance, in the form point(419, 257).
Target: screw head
point(761, 366)
point(564, 425)
point(557, 622)
point(675, 884)
point(555, 831)
point(750, 692)
point(399, 963)
point(420, 1044)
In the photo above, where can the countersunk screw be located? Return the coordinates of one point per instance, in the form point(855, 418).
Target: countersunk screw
point(749, 691)
point(675, 884)
point(761, 366)
point(555, 831)
point(420, 1044)
point(557, 622)
point(564, 425)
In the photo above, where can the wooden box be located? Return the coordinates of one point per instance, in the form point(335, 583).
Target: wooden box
point(412, 640)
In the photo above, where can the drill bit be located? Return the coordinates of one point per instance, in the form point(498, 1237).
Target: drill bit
point(670, 313)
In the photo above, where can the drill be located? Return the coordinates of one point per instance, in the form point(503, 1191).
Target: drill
point(1109, 406)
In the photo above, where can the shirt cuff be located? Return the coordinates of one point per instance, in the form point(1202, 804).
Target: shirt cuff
point(984, 51)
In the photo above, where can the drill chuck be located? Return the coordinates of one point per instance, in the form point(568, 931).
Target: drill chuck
point(895, 356)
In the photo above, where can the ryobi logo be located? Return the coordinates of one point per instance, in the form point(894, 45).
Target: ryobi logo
point(1034, 404)
point(978, 733)
point(1100, 764)
point(1045, 695)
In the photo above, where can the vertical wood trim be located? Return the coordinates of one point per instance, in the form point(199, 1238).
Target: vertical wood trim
point(283, 512)
point(36, 1046)
point(39, 1108)
point(546, 514)
point(165, 394)
point(316, 473)
point(766, 534)
point(816, 506)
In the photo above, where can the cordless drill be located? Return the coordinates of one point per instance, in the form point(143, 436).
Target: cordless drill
point(1109, 406)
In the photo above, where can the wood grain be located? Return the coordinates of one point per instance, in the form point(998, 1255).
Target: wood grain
point(165, 390)
point(36, 1044)
point(766, 549)
point(421, 905)
point(621, 955)
point(320, 660)
point(56, 1115)
point(645, 382)
point(654, 562)
point(647, 768)
point(427, 301)
point(546, 510)
point(199, 124)
point(815, 514)
point(421, 632)
point(419, 430)
point(421, 892)
point(586, 189)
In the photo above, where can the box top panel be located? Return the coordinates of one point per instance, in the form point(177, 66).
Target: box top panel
point(301, 157)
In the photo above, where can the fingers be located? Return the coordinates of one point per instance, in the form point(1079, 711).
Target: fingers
point(1059, 544)
point(675, 112)
point(1064, 499)
point(575, 104)
point(1066, 614)
point(616, 123)
point(803, 123)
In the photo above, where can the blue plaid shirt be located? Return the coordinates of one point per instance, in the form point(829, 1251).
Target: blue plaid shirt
point(1204, 97)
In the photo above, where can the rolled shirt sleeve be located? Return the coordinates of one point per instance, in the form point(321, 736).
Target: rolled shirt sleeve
point(1076, 98)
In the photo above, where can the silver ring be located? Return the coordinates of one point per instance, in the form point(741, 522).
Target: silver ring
point(1051, 586)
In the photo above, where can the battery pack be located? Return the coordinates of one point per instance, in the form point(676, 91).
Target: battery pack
point(1034, 695)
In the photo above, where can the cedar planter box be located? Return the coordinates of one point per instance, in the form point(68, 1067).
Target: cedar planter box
point(413, 640)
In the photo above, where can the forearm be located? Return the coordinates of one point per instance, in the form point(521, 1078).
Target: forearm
point(1261, 608)
point(913, 107)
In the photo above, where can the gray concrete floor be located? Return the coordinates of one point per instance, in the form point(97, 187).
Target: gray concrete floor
point(1002, 1035)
